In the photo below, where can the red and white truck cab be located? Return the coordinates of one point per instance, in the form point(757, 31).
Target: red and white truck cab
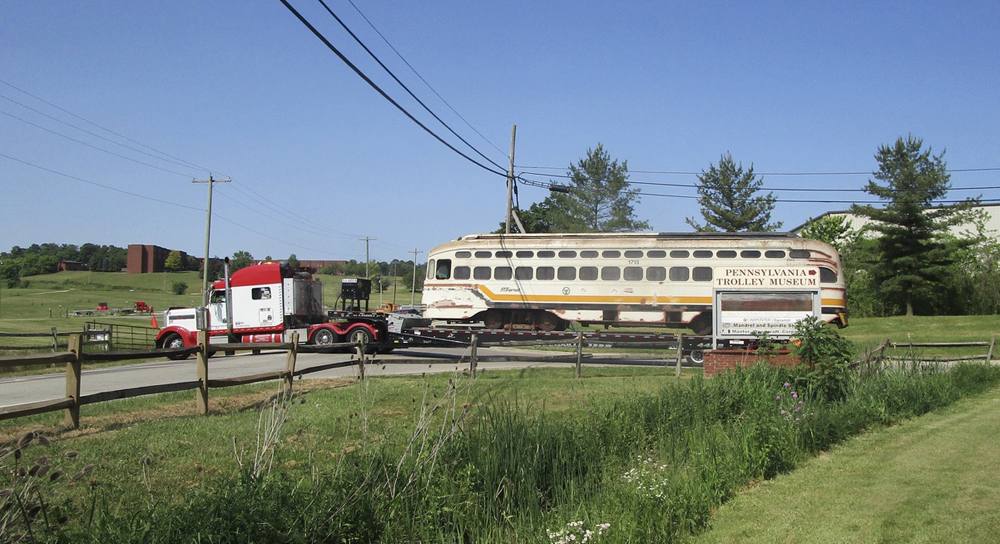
point(264, 303)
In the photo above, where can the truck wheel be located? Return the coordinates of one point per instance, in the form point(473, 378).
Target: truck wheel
point(361, 334)
point(174, 340)
point(323, 337)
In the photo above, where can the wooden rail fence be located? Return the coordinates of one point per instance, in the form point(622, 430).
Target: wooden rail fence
point(76, 356)
point(912, 348)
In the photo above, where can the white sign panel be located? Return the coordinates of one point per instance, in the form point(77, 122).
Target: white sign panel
point(767, 278)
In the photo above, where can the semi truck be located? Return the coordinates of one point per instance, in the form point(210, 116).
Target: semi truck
point(267, 303)
point(264, 303)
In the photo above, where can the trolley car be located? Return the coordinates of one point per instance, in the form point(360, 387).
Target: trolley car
point(545, 281)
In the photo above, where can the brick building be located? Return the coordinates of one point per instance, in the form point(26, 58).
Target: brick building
point(145, 259)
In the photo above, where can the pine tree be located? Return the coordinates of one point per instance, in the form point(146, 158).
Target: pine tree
point(599, 199)
point(726, 194)
point(915, 248)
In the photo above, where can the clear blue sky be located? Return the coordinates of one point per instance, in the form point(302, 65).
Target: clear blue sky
point(319, 160)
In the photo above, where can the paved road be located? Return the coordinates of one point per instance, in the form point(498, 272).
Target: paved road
point(410, 361)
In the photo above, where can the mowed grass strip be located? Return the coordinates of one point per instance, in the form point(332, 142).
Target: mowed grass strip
point(931, 479)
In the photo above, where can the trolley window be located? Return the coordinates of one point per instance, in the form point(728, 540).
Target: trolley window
point(588, 273)
point(545, 273)
point(702, 254)
point(800, 254)
point(443, 269)
point(702, 273)
point(503, 273)
point(725, 254)
point(523, 273)
point(525, 254)
point(656, 273)
point(679, 273)
point(430, 268)
point(463, 254)
point(750, 254)
point(774, 254)
point(656, 254)
point(588, 254)
point(566, 273)
point(679, 254)
point(462, 272)
point(611, 273)
point(546, 254)
point(484, 254)
point(481, 272)
point(504, 254)
point(567, 254)
point(827, 275)
point(633, 273)
point(611, 254)
point(633, 254)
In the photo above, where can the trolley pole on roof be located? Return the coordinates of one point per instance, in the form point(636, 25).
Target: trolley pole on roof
point(208, 232)
point(510, 178)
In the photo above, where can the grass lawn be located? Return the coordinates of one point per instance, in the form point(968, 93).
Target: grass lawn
point(931, 479)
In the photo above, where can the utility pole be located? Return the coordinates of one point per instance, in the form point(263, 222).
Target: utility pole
point(208, 232)
point(367, 240)
point(413, 288)
point(510, 178)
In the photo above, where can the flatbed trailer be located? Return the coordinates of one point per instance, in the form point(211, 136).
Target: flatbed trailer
point(408, 331)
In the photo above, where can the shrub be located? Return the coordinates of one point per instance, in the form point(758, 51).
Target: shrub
point(825, 357)
point(178, 288)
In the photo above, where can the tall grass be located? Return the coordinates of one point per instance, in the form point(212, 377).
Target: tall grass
point(643, 468)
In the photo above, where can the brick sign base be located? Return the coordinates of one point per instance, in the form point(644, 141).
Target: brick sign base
point(721, 360)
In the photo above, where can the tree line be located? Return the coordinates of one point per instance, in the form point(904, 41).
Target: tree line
point(45, 258)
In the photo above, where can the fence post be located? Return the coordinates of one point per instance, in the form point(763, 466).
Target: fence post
point(55, 340)
point(73, 369)
point(989, 354)
point(474, 356)
point(680, 353)
point(290, 363)
point(201, 397)
point(579, 352)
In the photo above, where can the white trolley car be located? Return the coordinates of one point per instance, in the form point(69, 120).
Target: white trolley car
point(544, 281)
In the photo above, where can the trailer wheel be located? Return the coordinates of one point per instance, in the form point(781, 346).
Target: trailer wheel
point(361, 334)
point(323, 337)
point(696, 357)
point(174, 340)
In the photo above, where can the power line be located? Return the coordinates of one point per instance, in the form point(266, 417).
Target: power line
point(401, 84)
point(414, 70)
point(94, 134)
point(101, 185)
point(81, 142)
point(764, 188)
point(378, 89)
point(42, 100)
